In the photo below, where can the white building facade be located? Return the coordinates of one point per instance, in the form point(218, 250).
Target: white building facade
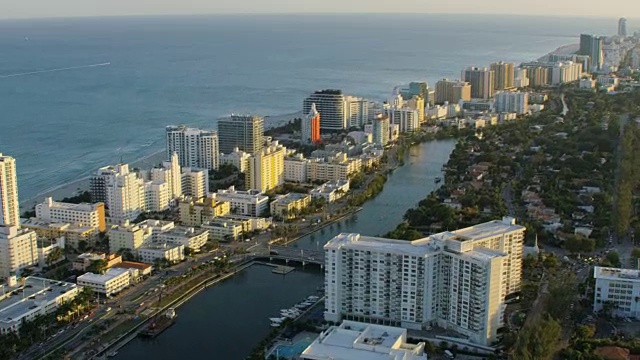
point(616, 291)
point(512, 102)
point(195, 148)
point(9, 207)
point(249, 203)
point(195, 182)
point(18, 249)
point(457, 280)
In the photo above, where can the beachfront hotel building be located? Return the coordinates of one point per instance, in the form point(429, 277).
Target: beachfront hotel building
point(457, 280)
point(18, 249)
point(482, 82)
point(85, 214)
point(617, 290)
point(310, 127)
point(452, 91)
point(359, 341)
point(242, 132)
point(504, 75)
point(195, 147)
point(249, 203)
point(9, 207)
point(266, 168)
point(125, 194)
point(331, 106)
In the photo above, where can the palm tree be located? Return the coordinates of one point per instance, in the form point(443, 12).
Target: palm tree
point(54, 256)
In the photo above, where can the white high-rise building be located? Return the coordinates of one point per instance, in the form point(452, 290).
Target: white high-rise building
point(18, 249)
point(195, 147)
point(356, 111)
point(407, 119)
point(512, 102)
point(522, 78)
point(125, 194)
point(237, 158)
point(381, 130)
point(156, 196)
point(565, 72)
point(9, 207)
point(171, 174)
point(457, 280)
point(195, 182)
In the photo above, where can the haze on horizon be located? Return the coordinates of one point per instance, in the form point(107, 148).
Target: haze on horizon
point(74, 8)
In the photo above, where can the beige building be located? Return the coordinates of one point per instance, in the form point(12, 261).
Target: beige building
point(128, 236)
point(505, 75)
point(452, 91)
point(289, 206)
point(73, 234)
point(152, 251)
point(195, 212)
point(334, 168)
point(237, 158)
point(266, 168)
point(83, 261)
point(191, 238)
point(89, 215)
point(224, 229)
point(18, 249)
point(9, 207)
point(195, 182)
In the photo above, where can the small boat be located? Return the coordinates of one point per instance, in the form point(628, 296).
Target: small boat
point(313, 298)
point(438, 180)
point(276, 322)
point(112, 354)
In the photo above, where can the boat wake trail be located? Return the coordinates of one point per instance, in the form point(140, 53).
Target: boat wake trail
point(54, 70)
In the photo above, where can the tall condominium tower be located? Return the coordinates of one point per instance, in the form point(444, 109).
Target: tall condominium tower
point(457, 280)
point(310, 127)
point(593, 47)
point(482, 82)
point(195, 147)
point(331, 106)
point(622, 27)
point(452, 91)
point(504, 75)
point(266, 168)
point(381, 130)
point(242, 132)
point(9, 207)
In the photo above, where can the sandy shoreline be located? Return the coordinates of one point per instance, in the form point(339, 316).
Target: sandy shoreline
point(81, 185)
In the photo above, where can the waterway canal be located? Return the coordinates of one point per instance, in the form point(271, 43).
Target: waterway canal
point(229, 319)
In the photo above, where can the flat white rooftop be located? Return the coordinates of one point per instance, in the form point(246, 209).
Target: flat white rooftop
point(20, 299)
point(100, 278)
point(485, 230)
point(359, 341)
point(608, 273)
point(382, 245)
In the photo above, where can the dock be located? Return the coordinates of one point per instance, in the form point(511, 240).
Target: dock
point(282, 270)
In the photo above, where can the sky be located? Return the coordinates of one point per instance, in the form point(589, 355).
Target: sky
point(72, 8)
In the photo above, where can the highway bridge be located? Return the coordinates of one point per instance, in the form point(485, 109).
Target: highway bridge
point(295, 254)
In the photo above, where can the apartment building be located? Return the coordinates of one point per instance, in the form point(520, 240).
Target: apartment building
point(266, 168)
point(457, 280)
point(194, 147)
point(9, 207)
point(195, 182)
point(18, 249)
point(250, 203)
point(151, 252)
point(190, 237)
point(289, 205)
point(295, 168)
point(237, 158)
point(128, 236)
point(73, 234)
point(195, 212)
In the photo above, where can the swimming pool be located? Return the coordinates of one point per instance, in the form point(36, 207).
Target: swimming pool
point(291, 351)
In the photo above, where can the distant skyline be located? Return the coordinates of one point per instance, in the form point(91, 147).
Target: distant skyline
point(75, 8)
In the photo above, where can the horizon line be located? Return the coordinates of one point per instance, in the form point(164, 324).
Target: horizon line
point(566, 16)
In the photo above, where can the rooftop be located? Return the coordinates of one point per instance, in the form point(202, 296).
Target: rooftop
point(69, 206)
point(132, 265)
point(19, 300)
point(99, 278)
point(358, 341)
point(616, 274)
point(290, 197)
point(159, 245)
point(62, 226)
point(484, 230)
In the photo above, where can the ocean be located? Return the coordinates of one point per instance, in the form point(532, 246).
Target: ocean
point(118, 81)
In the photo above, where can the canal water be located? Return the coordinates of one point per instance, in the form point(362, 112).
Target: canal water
point(228, 320)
